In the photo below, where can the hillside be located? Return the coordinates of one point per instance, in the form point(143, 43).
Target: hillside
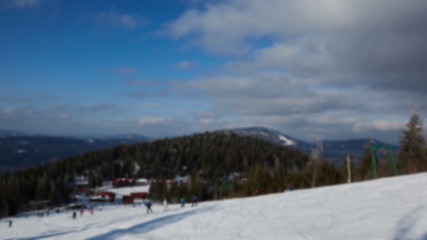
point(208, 160)
point(20, 151)
point(389, 208)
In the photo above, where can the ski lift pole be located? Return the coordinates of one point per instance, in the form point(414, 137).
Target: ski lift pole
point(349, 168)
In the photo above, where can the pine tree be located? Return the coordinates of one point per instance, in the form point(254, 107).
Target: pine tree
point(365, 164)
point(413, 144)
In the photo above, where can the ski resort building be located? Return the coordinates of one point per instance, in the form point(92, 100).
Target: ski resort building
point(126, 199)
point(141, 182)
point(80, 181)
point(139, 195)
point(104, 197)
point(123, 182)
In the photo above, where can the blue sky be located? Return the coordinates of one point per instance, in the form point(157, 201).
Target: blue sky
point(324, 70)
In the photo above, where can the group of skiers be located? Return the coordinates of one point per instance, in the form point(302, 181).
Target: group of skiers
point(165, 204)
point(147, 204)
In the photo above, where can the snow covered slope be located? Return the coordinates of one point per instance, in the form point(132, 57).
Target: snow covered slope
point(392, 208)
point(272, 136)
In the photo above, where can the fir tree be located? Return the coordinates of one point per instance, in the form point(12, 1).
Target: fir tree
point(413, 144)
point(365, 164)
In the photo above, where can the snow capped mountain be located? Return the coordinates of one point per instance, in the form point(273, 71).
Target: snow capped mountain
point(273, 136)
point(267, 134)
point(333, 150)
point(287, 141)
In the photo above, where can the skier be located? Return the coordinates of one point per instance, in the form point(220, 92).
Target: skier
point(182, 202)
point(289, 187)
point(256, 192)
point(194, 201)
point(47, 213)
point(10, 223)
point(165, 204)
point(74, 215)
point(149, 207)
point(81, 212)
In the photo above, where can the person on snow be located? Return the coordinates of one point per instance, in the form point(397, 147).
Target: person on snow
point(194, 200)
point(74, 215)
point(149, 207)
point(81, 212)
point(289, 187)
point(165, 204)
point(256, 192)
point(10, 223)
point(182, 202)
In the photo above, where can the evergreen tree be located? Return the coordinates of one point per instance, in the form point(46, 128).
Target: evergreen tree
point(413, 144)
point(365, 164)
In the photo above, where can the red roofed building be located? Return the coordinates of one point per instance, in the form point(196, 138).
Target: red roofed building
point(123, 182)
point(104, 197)
point(126, 199)
point(139, 195)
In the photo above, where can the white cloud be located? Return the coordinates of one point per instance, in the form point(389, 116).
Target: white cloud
point(152, 120)
point(186, 64)
point(206, 121)
point(9, 111)
point(380, 125)
point(63, 116)
point(115, 20)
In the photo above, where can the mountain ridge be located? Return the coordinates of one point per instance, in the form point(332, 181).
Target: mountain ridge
point(334, 151)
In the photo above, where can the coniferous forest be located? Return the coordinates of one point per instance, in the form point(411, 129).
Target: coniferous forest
point(209, 160)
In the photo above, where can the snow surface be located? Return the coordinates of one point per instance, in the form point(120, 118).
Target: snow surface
point(391, 208)
point(286, 140)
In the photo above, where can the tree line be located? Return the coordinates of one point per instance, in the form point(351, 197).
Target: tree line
point(208, 161)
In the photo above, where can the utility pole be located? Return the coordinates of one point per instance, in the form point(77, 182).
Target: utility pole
point(349, 168)
point(315, 155)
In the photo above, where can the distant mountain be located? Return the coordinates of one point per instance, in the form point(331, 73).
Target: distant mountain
point(9, 133)
point(337, 150)
point(333, 150)
point(19, 152)
point(273, 136)
point(130, 136)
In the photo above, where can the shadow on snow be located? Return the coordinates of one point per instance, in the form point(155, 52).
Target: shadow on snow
point(148, 226)
point(406, 224)
point(136, 229)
